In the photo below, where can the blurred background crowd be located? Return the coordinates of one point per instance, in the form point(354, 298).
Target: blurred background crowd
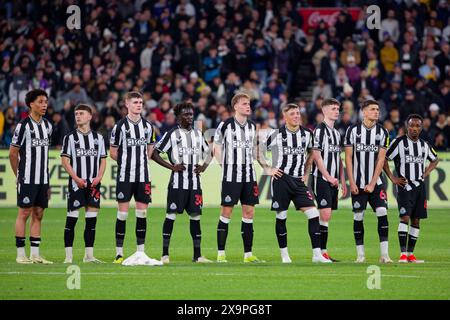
point(205, 50)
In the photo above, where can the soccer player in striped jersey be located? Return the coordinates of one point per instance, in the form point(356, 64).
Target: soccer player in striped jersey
point(410, 153)
point(234, 149)
point(327, 168)
point(132, 140)
point(291, 155)
point(83, 155)
point(365, 151)
point(28, 156)
point(186, 148)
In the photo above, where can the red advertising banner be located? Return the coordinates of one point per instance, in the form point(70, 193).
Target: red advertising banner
point(312, 16)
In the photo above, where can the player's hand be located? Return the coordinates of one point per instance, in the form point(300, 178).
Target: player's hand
point(81, 183)
point(369, 188)
point(344, 189)
point(199, 168)
point(399, 181)
point(354, 188)
point(95, 182)
point(178, 167)
point(274, 172)
point(304, 178)
point(333, 181)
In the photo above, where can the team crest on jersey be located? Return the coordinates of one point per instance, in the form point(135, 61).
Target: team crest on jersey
point(303, 139)
point(227, 199)
point(173, 206)
point(275, 205)
point(95, 141)
point(120, 195)
point(402, 210)
point(323, 202)
point(26, 200)
point(76, 203)
point(356, 205)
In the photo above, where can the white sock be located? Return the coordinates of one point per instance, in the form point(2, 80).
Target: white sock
point(360, 250)
point(284, 252)
point(21, 252)
point(69, 253)
point(384, 248)
point(402, 253)
point(220, 252)
point(247, 254)
point(323, 250)
point(34, 251)
point(119, 251)
point(316, 252)
point(141, 247)
point(89, 252)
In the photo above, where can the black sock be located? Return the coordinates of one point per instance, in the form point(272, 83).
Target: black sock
point(412, 240)
point(281, 232)
point(35, 241)
point(20, 242)
point(167, 233)
point(383, 228)
point(403, 238)
point(358, 232)
point(323, 237)
point(69, 231)
point(89, 232)
point(222, 233)
point(314, 232)
point(120, 232)
point(247, 235)
point(196, 234)
point(141, 230)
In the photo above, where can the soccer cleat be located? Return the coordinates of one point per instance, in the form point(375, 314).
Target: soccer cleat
point(23, 260)
point(326, 256)
point(91, 260)
point(360, 259)
point(385, 259)
point(252, 259)
point(320, 259)
point(286, 259)
point(201, 260)
point(118, 260)
point(221, 258)
point(39, 259)
point(403, 258)
point(412, 259)
point(165, 259)
point(67, 261)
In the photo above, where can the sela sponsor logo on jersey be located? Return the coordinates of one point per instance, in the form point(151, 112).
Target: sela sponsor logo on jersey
point(136, 142)
point(86, 152)
point(188, 151)
point(413, 159)
point(237, 144)
point(366, 147)
point(334, 148)
point(37, 142)
point(293, 151)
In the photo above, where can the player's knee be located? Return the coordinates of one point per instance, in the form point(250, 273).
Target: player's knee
point(380, 212)
point(358, 216)
point(73, 214)
point(194, 217)
point(325, 215)
point(141, 213)
point(24, 213)
point(312, 213)
point(38, 214)
point(405, 219)
point(122, 215)
point(171, 216)
point(282, 215)
point(415, 222)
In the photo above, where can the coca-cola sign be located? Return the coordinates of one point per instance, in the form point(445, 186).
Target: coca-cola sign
point(313, 16)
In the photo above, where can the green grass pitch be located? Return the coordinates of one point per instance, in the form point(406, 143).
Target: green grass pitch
point(235, 280)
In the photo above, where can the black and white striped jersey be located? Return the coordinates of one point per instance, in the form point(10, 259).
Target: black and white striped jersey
point(33, 138)
point(188, 147)
point(409, 158)
point(290, 149)
point(366, 143)
point(328, 141)
point(238, 146)
point(85, 150)
point(131, 139)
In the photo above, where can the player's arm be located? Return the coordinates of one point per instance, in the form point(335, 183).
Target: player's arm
point(430, 167)
point(157, 158)
point(101, 172)
point(217, 151)
point(342, 176)
point(206, 150)
point(308, 163)
point(150, 149)
point(349, 166)
point(378, 168)
point(14, 148)
point(65, 161)
point(113, 151)
point(14, 158)
point(261, 149)
point(399, 181)
point(317, 156)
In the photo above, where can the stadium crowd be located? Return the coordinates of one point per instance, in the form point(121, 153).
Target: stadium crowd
point(204, 51)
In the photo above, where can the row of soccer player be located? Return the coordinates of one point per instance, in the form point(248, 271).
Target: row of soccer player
point(294, 150)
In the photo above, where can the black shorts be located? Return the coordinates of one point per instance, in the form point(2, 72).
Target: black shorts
point(412, 203)
point(142, 191)
point(326, 195)
point(376, 199)
point(287, 189)
point(246, 192)
point(179, 200)
point(87, 197)
point(32, 195)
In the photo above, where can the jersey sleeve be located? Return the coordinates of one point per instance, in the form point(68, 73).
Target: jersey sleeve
point(116, 136)
point(165, 144)
point(102, 148)
point(219, 134)
point(384, 143)
point(318, 138)
point(392, 151)
point(309, 142)
point(271, 140)
point(349, 139)
point(151, 139)
point(65, 149)
point(19, 135)
point(432, 154)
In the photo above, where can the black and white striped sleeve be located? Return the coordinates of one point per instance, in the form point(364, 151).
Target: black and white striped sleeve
point(151, 139)
point(102, 149)
point(384, 143)
point(271, 140)
point(432, 154)
point(165, 143)
point(392, 151)
point(19, 135)
point(219, 135)
point(65, 149)
point(116, 136)
point(318, 138)
point(349, 139)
